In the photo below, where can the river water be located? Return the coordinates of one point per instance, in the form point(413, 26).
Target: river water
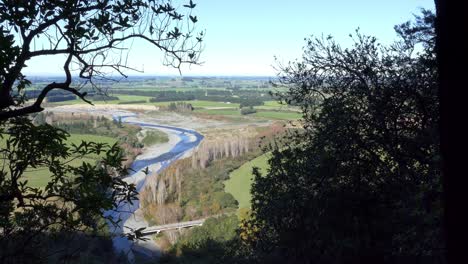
point(188, 140)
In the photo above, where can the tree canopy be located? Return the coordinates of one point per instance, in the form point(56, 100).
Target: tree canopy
point(362, 180)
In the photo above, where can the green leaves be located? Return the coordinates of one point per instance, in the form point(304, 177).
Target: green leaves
point(76, 195)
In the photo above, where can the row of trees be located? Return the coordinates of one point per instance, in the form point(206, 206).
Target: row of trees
point(169, 196)
point(244, 97)
point(61, 98)
point(178, 107)
point(211, 150)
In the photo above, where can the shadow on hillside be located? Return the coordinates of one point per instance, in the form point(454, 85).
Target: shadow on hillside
point(59, 248)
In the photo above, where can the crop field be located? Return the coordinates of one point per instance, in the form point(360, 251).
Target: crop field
point(240, 180)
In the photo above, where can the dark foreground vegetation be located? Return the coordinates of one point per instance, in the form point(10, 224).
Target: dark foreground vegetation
point(363, 181)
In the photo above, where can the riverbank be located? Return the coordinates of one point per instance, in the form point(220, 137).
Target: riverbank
point(154, 159)
point(161, 148)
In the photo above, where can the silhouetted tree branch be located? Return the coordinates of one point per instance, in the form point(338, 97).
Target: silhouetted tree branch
point(87, 32)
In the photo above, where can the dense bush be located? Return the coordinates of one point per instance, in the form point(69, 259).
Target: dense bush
point(172, 96)
point(248, 110)
point(362, 183)
point(246, 102)
point(214, 242)
point(179, 107)
point(154, 137)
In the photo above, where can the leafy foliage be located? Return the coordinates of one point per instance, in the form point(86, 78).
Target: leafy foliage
point(248, 110)
point(154, 137)
point(73, 201)
point(214, 242)
point(250, 102)
point(363, 181)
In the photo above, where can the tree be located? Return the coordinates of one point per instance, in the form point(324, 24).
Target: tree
point(87, 33)
point(214, 242)
point(74, 199)
point(362, 181)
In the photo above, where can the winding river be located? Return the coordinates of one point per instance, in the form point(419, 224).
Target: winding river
point(155, 163)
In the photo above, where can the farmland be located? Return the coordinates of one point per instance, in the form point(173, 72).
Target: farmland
point(217, 96)
point(240, 180)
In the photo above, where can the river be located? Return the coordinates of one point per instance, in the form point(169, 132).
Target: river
point(155, 163)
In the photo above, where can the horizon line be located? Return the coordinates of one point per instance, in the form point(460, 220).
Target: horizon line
point(156, 75)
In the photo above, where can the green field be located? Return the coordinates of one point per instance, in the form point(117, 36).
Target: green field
point(273, 104)
point(77, 138)
point(278, 115)
point(39, 177)
point(240, 180)
point(129, 98)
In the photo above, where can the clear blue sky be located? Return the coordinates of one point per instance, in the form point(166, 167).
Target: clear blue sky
point(242, 37)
